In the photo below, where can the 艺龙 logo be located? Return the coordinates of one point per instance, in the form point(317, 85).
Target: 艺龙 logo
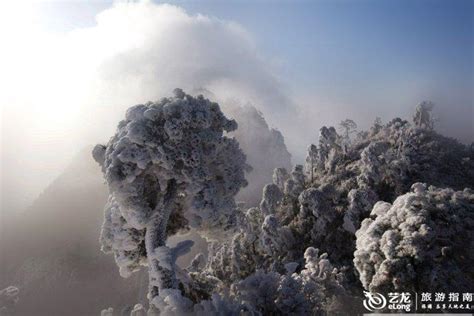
point(374, 301)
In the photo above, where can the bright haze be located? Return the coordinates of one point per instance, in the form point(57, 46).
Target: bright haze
point(70, 69)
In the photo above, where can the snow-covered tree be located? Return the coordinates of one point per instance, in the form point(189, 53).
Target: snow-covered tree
point(325, 209)
point(310, 163)
point(423, 242)
point(271, 197)
point(347, 127)
point(423, 117)
point(280, 175)
point(169, 167)
point(263, 145)
point(338, 204)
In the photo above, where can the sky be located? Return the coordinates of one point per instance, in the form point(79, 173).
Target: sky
point(378, 56)
point(70, 70)
point(329, 46)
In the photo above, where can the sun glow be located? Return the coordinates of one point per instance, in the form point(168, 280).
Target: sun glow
point(42, 72)
point(45, 78)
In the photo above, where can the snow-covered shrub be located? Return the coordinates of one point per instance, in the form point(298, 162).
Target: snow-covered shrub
point(168, 167)
point(421, 242)
point(309, 292)
point(312, 291)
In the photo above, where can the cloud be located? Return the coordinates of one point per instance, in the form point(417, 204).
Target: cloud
point(70, 90)
point(150, 49)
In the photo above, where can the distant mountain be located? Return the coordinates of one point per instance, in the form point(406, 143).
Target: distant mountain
point(265, 150)
point(52, 250)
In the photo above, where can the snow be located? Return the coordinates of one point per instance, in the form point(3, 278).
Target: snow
point(379, 210)
point(168, 165)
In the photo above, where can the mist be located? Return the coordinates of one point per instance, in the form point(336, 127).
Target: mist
point(68, 90)
point(137, 52)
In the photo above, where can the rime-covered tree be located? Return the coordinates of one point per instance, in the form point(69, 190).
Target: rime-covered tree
point(347, 128)
point(338, 204)
point(423, 242)
point(323, 204)
point(264, 146)
point(169, 167)
point(423, 116)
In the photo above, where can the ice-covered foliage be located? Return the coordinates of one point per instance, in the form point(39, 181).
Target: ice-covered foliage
point(312, 291)
point(338, 204)
point(309, 292)
point(423, 242)
point(322, 205)
point(8, 298)
point(295, 183)
point(272, 195)
point(380, 165)
point(121, 239)
point(423, 116)
point(169, 167)
point(347, 127)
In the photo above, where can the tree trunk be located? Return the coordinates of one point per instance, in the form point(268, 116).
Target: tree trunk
point(161, 274)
